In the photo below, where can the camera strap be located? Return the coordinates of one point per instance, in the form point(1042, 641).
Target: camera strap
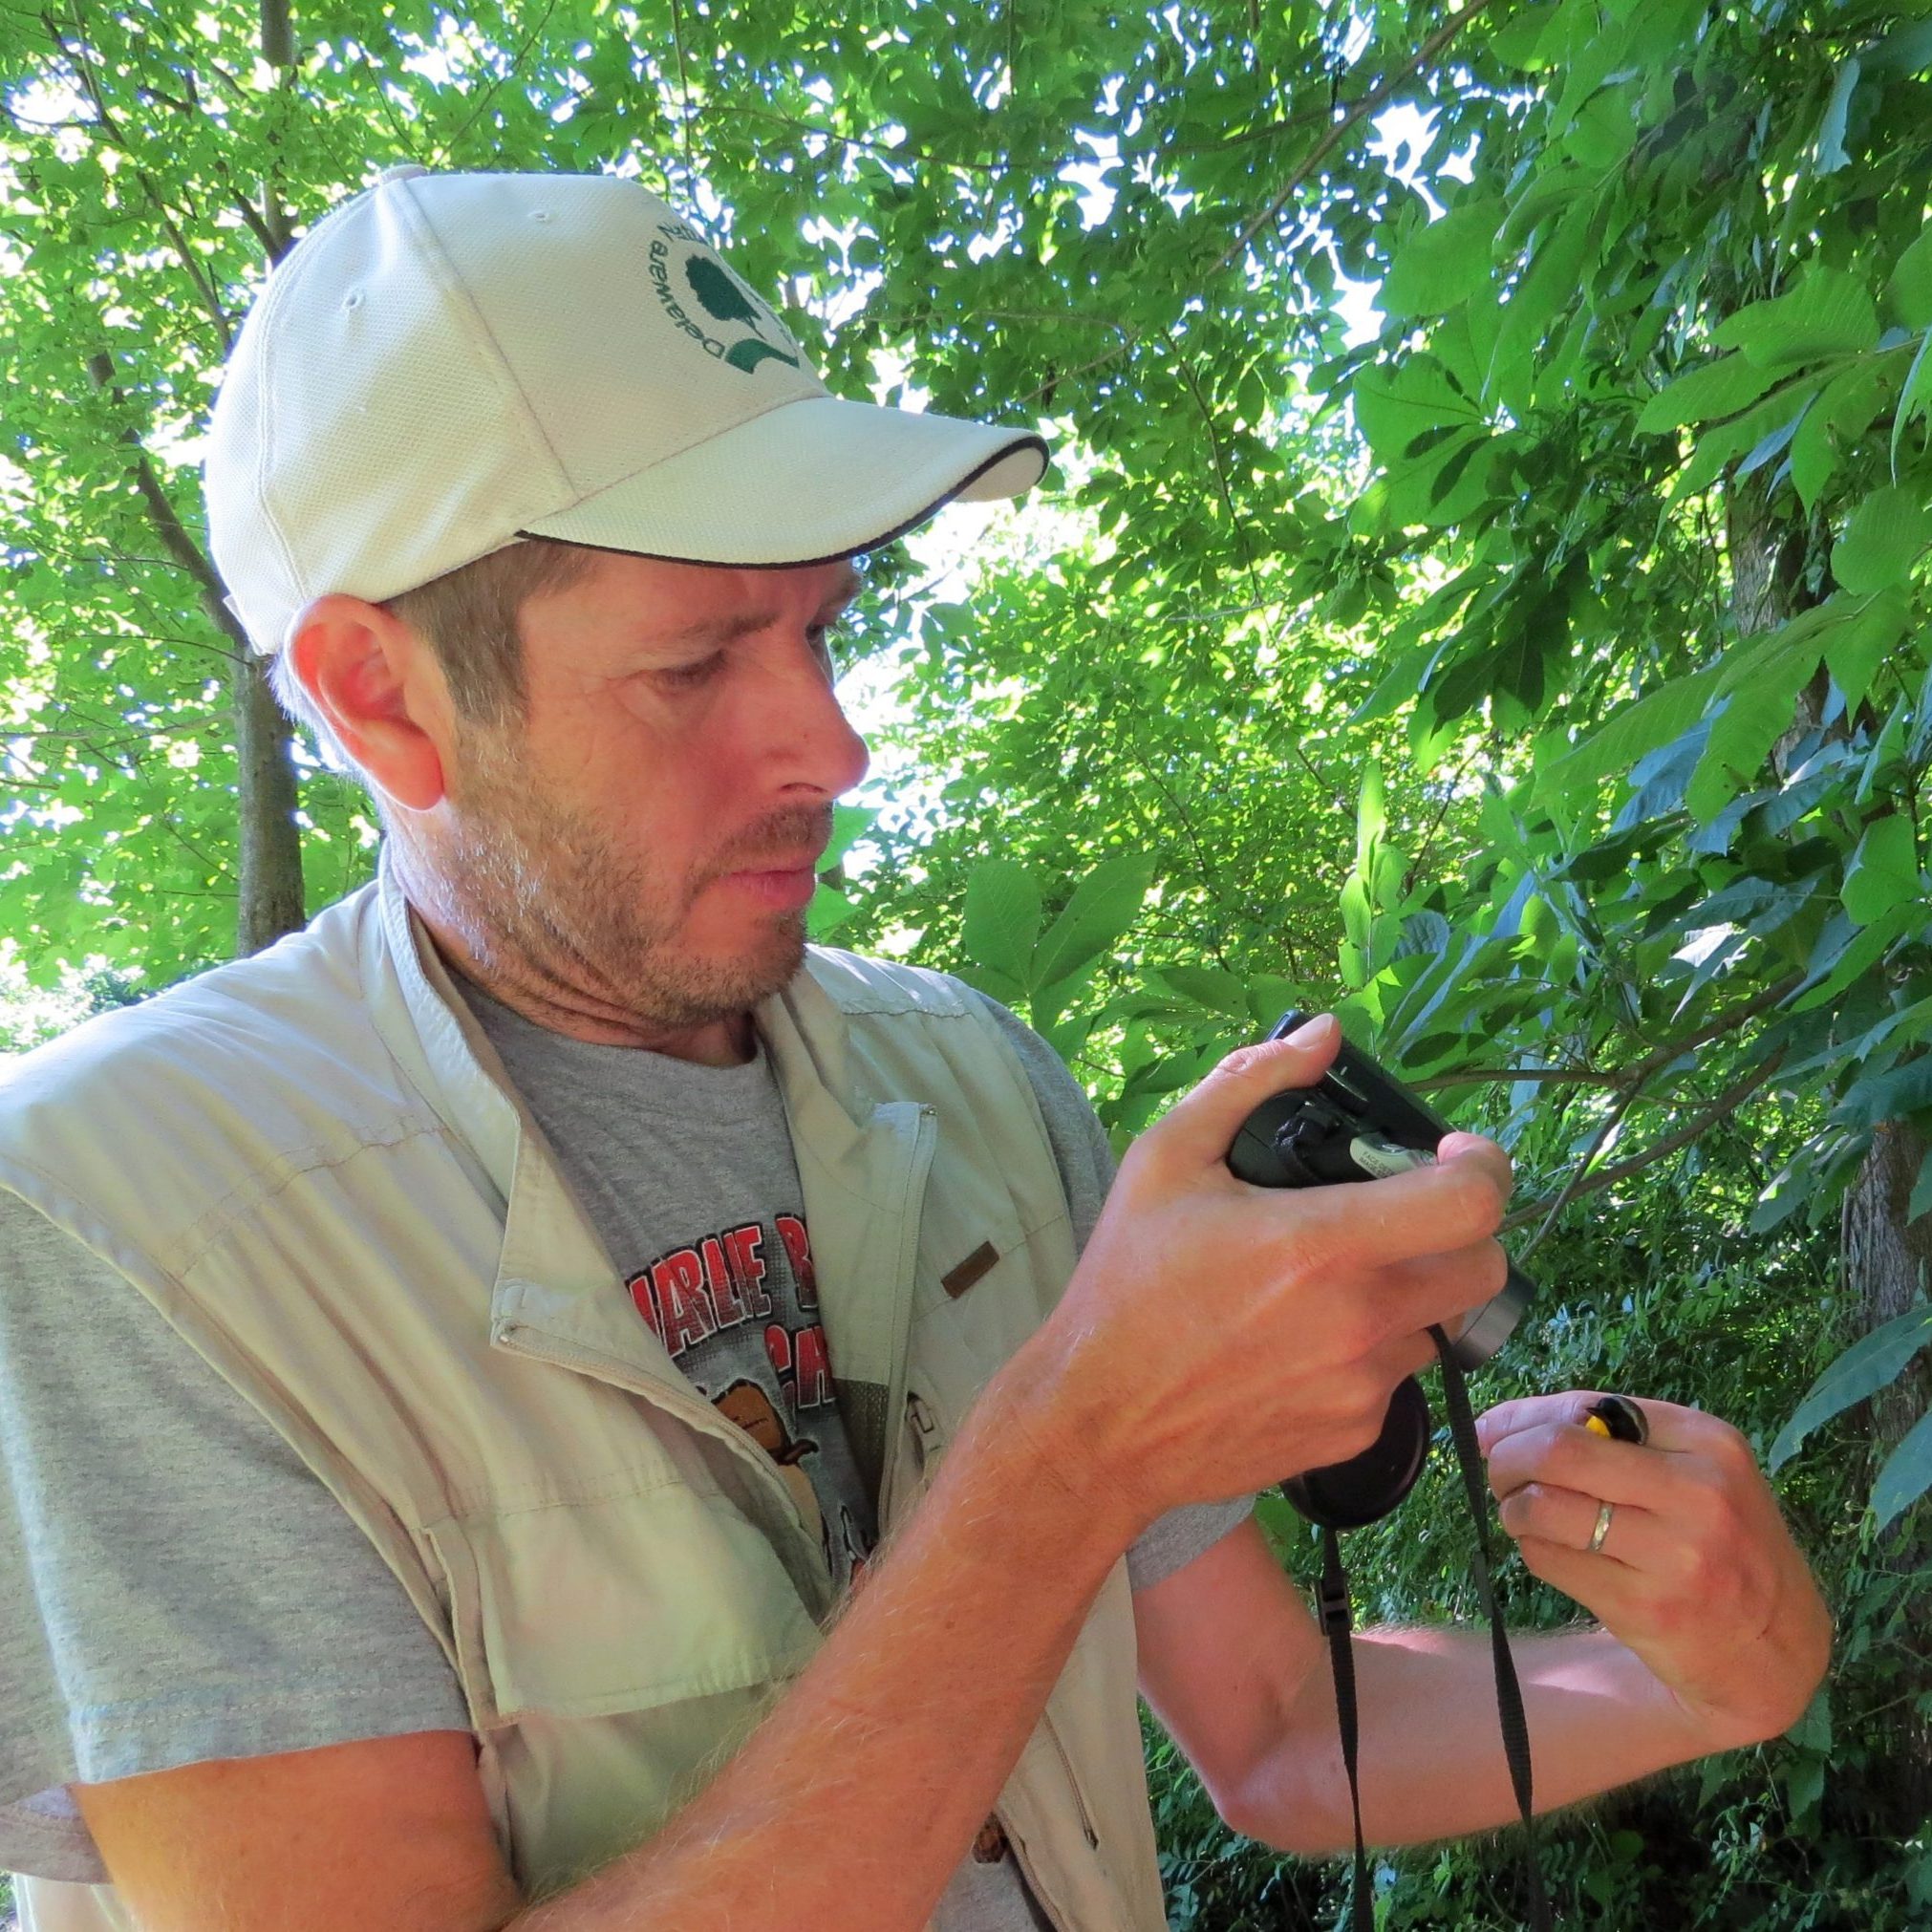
point(1336, 1624)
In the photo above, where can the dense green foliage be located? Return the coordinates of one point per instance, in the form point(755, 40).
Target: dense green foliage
point(1540, 671)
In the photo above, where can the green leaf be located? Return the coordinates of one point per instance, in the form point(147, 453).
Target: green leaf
point(1804, 1784)
point(999, 922)
point(1270, 997)
point(1658, 718)
point(1774, 444)
point(1705, 395)
point(1845, 409)
point(1720, 443)
point(1912, 282)
point(1914, 398)
point(1813, 1731)
point(1103, 904)
point(1905, 51)
point(1881, 1097)
point(1051, 998)
point(1748, 722)
point(1844, 953)
point(1759, 682)
point(1547, 289)
point(1371, 817)
point(1886, 536)
point(1885, 869)
point(1829, 312)
point(1906, 1476)
point(1396, 402)
point(1855, 650)
point(1214, 987)
point(1922, 1191)
point(1870, 1363)
point(1831, 143)
point(1444, 263)
point(850, 825)
point(828, 911)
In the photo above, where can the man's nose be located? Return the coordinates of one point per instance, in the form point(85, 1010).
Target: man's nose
point(818, 749)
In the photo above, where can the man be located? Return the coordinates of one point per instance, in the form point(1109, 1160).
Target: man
point(460, 1360)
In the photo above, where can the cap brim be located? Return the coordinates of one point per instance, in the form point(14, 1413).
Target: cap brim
point(805, 482)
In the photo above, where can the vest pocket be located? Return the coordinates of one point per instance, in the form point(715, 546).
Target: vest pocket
point(588, 1607)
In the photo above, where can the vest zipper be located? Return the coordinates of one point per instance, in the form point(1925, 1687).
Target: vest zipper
point(925, 1431)
point(1018, 1844)
point(1072, 1783)
point(925, 1139)
point(697, 1415)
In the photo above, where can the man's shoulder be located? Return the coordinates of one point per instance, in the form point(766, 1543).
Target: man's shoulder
point(249, 1005)
point(253, 1055)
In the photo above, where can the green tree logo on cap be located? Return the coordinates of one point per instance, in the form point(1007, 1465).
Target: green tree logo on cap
point(726, 302)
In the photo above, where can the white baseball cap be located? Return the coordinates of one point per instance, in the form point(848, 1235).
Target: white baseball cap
point(449, 363)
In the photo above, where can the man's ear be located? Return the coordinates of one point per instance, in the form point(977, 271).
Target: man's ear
point(383, 693)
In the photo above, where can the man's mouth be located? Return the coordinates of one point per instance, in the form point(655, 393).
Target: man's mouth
point(787, 884)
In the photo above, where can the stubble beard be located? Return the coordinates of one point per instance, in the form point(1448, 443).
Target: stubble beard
point(544, 900)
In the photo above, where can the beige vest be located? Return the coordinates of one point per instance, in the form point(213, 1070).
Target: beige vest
point(619, 1578)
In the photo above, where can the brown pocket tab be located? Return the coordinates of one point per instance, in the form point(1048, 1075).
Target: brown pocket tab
point(978, 1264)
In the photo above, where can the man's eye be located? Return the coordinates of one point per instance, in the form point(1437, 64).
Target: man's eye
point(682, 676)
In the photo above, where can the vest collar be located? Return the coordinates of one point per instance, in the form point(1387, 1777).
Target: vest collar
point(862, 1169)
point(554, 1275)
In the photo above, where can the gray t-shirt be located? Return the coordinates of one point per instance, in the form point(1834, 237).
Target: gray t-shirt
point(175, 1583)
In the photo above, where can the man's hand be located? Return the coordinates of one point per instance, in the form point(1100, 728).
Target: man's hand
point(1218, 1336)
point(1696, 1573)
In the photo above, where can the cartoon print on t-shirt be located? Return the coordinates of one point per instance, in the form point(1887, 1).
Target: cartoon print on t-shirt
point(740, 1308)
point(751, 1408)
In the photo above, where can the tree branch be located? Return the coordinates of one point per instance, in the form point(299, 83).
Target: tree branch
point(486, 94)
point(1357, 111)
point(1637, 1071)
point(83, 66)
point(683, 88)
point(278, 52)
point(278, 39)
point(903, 155)
point(1613, 1119)
point(1477, 1075)
point(1725, 1103)
point(182, 548)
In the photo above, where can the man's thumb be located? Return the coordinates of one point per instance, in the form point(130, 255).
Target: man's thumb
point(1200, 1126)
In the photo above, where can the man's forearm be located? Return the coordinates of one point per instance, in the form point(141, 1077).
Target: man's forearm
point(1432, 1763)
point(858, 1795)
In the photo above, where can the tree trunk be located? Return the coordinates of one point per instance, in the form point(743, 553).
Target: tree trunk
point(1886, 1260)
point(1892, 1261)
point(272, 897)
point(270, 880)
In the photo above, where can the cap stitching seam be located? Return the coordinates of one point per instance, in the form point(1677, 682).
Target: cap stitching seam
point(295, 266)
point(503, 374)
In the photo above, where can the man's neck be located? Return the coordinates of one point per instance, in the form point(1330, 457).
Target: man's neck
point(552, 1003)
point(730, 1042)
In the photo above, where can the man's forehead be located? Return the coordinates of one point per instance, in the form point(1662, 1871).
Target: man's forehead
point(717, 601)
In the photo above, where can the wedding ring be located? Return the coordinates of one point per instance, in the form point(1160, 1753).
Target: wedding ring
point(1605, 1512)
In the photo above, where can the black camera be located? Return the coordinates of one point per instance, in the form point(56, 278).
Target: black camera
point(1358, 1124)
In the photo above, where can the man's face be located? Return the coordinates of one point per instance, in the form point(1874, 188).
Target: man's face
point(642, 845)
